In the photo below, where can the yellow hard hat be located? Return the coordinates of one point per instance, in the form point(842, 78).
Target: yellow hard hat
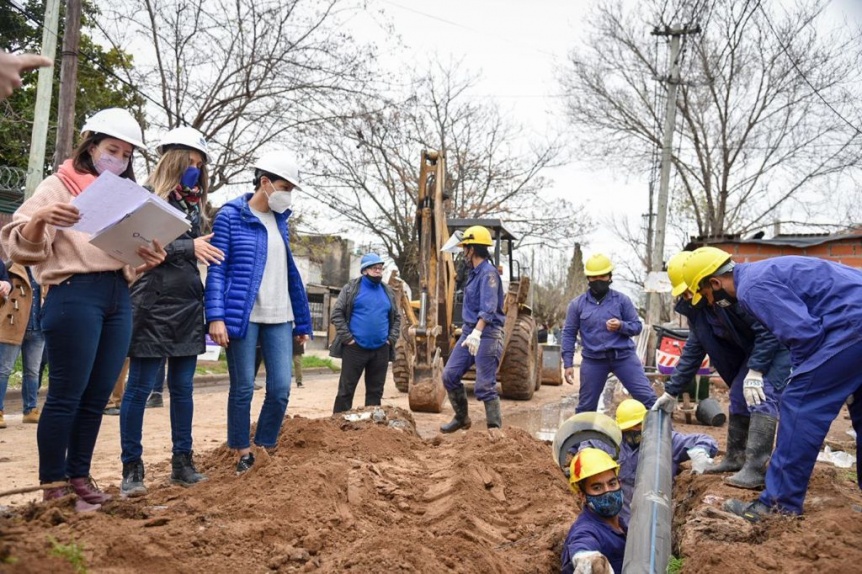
point(590, 462)
point(630, 413)
point(597, 265)
point(702, 263)
point(674, 272)
point(476, 235)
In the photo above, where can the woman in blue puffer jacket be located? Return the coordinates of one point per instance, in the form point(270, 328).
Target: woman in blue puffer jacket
point(256, 296)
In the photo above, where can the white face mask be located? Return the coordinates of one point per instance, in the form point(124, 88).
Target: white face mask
point(279, 201)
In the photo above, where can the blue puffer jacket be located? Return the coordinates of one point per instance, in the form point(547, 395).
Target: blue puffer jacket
point(752, 347)
point(233, 285)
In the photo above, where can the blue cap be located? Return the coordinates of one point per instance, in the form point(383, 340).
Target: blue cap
point(368, 260)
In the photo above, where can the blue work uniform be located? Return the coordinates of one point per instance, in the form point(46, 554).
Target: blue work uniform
point(814, 307)
point(590, 533)
point(483, 299)
point(604, 352)
point(736, 343)
point(629, 457)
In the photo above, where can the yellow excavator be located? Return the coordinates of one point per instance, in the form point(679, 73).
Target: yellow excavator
point(431, 325)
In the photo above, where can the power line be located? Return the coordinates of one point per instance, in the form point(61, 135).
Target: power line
point(468, 28)
point(785, 49)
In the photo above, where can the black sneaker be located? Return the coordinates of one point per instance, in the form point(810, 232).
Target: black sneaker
point(299, 384)
point(155, 400)
point(133, 479)
point(246, 461)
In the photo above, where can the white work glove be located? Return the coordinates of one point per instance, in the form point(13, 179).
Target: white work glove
point(666, 403)
point(699, 459)
point(591, 562)
point(472, 341)
point(752, 388)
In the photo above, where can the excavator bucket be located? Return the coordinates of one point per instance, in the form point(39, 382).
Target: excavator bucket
point(426, 393)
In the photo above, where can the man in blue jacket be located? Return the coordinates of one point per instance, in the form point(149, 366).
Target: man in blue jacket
point(481, 341)
point(367, 324)
point(256, 295)
point(748, 358)
point(607, 321)
point(814, 307)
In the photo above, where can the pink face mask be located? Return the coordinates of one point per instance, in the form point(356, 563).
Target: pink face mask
point(107, 162)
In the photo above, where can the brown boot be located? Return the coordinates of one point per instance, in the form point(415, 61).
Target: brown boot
point(58, 493)
point(2, 421)
point(32, 417)
point(87, 490)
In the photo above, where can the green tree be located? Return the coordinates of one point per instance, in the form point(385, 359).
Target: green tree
point(97, 87)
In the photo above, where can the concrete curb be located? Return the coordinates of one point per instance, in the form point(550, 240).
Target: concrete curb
point(200, 381)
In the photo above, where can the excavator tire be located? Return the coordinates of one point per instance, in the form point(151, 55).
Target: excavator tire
point(401, 367)
point(517, 374)
point(539, 361)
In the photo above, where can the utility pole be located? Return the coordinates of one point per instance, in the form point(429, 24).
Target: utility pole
point(657, 255)
point(44, 87)
point(68, 83)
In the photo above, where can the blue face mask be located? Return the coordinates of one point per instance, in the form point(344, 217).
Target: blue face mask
point(190, 177)
point(606, 505)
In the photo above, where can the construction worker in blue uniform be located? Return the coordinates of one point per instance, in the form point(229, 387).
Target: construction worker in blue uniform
point(597, 539)
point(481, 341)
point(814, 307)
point(607, 321)
point(749, 359)
point(698, 448)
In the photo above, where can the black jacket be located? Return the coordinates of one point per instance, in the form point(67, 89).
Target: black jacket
point(343, 310)
point(168, 301)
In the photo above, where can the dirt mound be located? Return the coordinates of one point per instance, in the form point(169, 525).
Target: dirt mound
point(826, 539)
point(335, 495)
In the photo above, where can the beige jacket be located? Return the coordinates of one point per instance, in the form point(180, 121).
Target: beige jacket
point(61, 253)
point(15, 308)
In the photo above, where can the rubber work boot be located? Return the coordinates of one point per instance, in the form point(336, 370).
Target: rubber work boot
point(183, 471)
point(761, 434)
point(81, 505)
point(32, 417)
point(133, 479)
point(494, 419)
point(87, 489)
point(751, 511)
point(737, 437)
point(458, 398)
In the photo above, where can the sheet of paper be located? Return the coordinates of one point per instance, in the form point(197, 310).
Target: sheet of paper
point(150, 221)
point(106, 201)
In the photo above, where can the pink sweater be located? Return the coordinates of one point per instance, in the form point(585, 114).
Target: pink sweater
point(61, 253)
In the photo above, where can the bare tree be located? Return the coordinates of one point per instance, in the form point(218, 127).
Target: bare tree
point(246, 73)
point(762, 107)
point(367, 166)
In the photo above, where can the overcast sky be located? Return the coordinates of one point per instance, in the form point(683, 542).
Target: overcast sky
point(518, 47)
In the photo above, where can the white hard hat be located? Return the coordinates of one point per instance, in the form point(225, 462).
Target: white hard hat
point(117, 123)
point(186, 137)
point(280, 163)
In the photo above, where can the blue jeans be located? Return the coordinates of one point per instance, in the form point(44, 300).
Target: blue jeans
point(31, 357)
point(276, 343)
point(87, 322)
point(143, 375)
